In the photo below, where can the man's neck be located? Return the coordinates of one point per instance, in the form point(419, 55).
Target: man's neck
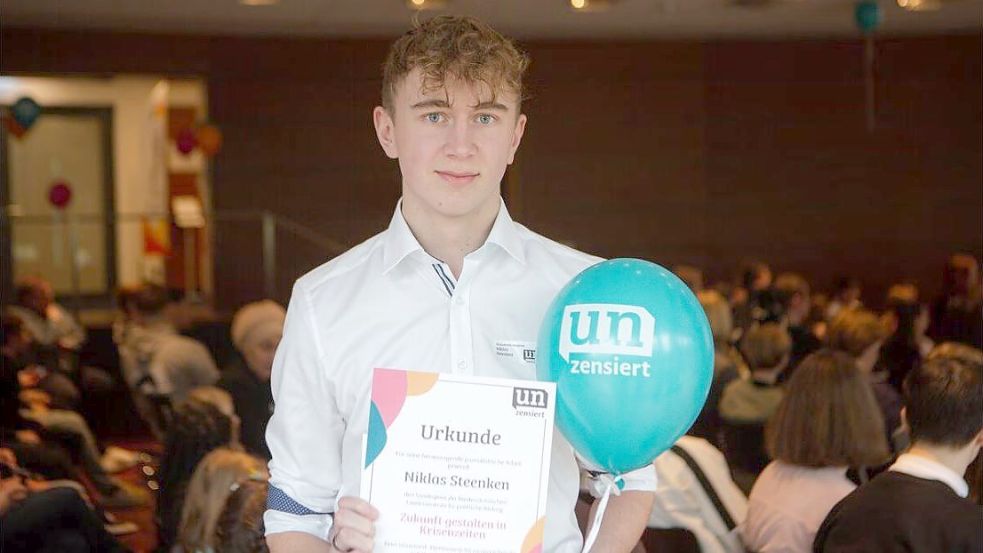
point(450, 239)
point(956, 459)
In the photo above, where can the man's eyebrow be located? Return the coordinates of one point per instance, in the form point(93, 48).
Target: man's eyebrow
point(433, 103)
point(491, 104)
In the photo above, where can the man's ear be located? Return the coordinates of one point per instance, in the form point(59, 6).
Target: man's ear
point(520, 127)
point(978, 440)
point(904, 417)
point(385, 131)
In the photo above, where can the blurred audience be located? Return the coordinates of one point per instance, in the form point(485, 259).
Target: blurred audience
point(240, 526)
point(199, 427)
point(920, 503)
point(957, 314)
point(846, 296)
point(256, 332)
point(727, 364)
point(906, 321)
point(827, 422)
point(792, 292)
point(696, 493)
point(215, 478)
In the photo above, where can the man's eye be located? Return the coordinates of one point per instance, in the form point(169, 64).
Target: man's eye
point(435, 117)
point(486, 119)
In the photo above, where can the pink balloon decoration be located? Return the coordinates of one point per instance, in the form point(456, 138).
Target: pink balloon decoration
point(186, 141)
point(60, 194)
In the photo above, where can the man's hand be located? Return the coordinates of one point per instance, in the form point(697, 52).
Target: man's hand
point(353, 529)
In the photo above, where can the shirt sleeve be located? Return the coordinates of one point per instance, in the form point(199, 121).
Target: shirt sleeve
point(305, 432)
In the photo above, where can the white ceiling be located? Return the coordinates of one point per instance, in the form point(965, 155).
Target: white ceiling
point(521, 18)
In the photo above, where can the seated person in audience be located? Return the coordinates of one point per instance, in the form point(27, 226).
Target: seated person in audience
point(747, 403)
point(240, 527)
point(200, 426)
point(906, 321)
point(28, 412)
point(792, 291)
point(957, 314)
point(919, 503)
point(683, 500)
point(37, 517)
point(256, 332)
point(727, 364)
point(154, 358)
point(754, 300)
point(846, 296)
point(219, 474)
point(827, 422)
point(859, 333)
point(56, 339)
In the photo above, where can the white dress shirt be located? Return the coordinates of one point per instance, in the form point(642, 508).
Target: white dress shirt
point(387, 303)
point(682, 502)
point(928, 469)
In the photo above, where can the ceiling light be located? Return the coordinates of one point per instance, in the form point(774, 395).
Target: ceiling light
point(426, 4)
point(578, 4)
point(591, 5)
point(920, 5)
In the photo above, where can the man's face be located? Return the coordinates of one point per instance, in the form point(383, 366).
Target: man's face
point(453, 145)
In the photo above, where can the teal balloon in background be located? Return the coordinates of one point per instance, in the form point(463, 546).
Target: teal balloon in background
point(631, 352)
point(867, 15)
point(25, 111)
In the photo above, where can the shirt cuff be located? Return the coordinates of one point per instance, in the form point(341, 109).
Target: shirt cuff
point(276, 522)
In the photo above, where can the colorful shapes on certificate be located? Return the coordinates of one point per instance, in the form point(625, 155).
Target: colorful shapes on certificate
point(388, 393)
point(419, 383)
point(631, 352)
point(376, 440)
point(533, 543)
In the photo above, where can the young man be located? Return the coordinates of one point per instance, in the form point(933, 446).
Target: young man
point(451, 276)
point(919, 503)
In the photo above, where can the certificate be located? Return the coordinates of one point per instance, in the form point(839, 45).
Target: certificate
point(458, 463)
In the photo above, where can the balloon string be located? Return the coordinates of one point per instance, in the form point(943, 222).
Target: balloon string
point(871, 107)
point(595, 526)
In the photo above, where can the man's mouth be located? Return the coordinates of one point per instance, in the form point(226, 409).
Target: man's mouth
point(457, 177)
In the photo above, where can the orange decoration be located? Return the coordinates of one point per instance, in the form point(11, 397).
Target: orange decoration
point(209, 140)
point(13, 127)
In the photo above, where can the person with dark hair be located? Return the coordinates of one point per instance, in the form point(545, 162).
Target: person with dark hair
point(755, 300)
point(827, 422)
point(240, 527)
point(907, 321)
point(793, 293)
point(846, 296)
point(957, 313)
point(198, 428)
point(919, 503)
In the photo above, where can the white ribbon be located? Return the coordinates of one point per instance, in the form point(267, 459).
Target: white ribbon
point(602, 485)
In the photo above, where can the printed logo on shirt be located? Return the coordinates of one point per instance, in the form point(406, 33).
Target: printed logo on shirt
point(519, 351)
point(606, 328)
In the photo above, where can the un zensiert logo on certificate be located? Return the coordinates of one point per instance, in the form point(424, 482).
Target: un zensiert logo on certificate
point(458, 463)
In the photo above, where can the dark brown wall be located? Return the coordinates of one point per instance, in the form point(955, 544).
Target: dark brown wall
point(697, 152)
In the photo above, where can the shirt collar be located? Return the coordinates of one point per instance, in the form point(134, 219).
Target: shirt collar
point(923, 467)
point(400, 242)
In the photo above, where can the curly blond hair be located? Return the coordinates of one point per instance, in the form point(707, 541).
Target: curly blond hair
point(457, 46)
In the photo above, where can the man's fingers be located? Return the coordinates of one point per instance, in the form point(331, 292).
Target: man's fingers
point(347, 519)
point(360, 506)
point(351, 541)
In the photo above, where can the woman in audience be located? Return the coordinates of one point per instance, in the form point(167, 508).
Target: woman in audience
point(256, 332)
point(219, 474)
point(827, 422)
point(727, 364)
point(240, 526)
point(198, 428)
point(957, 314)
point(859, 333)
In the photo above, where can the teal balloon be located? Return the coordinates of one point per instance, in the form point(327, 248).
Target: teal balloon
point(25, 111)
point(867, 15)
point(630, 350)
